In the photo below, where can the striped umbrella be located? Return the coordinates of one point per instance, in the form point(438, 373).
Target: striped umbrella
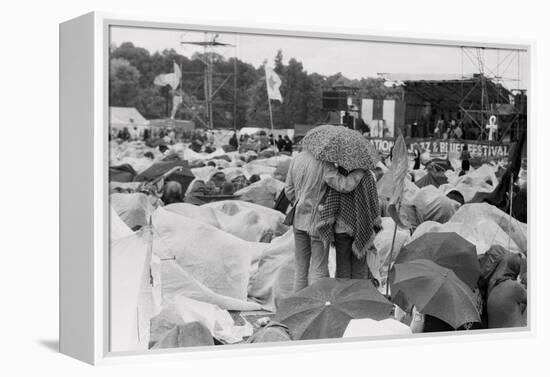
point(341, 145)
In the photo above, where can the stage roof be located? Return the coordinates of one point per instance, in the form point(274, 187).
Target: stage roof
point(451, 90)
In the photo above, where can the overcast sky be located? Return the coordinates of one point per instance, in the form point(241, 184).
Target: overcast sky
point(355, 59)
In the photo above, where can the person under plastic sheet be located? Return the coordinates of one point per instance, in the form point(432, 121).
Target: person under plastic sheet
point(506, 297)
point(172, 193)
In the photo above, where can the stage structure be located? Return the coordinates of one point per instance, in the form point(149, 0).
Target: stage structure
point(212, 108)
point(336, 101)
point(498, 89)
point(486, 100)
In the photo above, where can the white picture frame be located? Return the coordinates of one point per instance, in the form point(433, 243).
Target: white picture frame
point(84, 229)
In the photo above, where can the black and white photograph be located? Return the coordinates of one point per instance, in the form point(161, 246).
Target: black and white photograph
point(270, 188)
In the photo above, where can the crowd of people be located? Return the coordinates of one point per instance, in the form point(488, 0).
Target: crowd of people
point(336, 224)
point(440, 129)
point(311, 185)
point(202, 140)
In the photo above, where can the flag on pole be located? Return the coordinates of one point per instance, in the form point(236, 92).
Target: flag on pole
point(172, 79)
point(399, 169)
point(273, 82)
point(176, 102)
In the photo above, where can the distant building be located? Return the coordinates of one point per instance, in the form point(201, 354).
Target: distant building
point(129, 117)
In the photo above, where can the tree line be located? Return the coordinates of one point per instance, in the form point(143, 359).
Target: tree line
point(133, 70)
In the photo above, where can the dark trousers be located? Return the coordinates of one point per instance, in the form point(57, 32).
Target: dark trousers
point(466, 165)
point(348, 266)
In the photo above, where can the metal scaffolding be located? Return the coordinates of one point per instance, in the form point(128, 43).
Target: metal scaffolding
point(213, 84)
point(493, 98)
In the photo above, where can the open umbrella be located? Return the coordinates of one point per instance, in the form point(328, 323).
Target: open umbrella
point(341, 145)
point(434, 178)
point(448, 250)
point(439, 165)
point(324, 309)
point(434, 290)
point(183, 175)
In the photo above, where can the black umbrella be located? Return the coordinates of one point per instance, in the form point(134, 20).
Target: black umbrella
point(448, 250)
point(325, 308)
point(434, 290)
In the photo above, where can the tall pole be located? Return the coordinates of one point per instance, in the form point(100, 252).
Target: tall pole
point(210, 99)
point(167, 101)
point(268, 99)
point(235, 94)
point(270, 113)
point(389, 260)
point(510, 210)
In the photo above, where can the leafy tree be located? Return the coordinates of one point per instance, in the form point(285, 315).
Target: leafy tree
point(123, 83)
point(152, 102)
point(138, 57)
point(133, 70)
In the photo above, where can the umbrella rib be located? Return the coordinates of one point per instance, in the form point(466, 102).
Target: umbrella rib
point(434, 295)
point(413, 301)
point(310, 321)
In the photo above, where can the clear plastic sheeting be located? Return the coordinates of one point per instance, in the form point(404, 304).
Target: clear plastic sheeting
point(248, 221)
point(215, 258)
point(199, 213)
point(182, 310)
point(134, 209)
point(177, 281)
point(118, 228)
point(263, 192)
point(259, 169)
point(263, 279)
point(131, 301)
point(366, 327)
point(432, 205)
point(274, 161)
point(482, 232)
point(379, 263)
point(478, 212)
point(204, 173)
point(482, 179)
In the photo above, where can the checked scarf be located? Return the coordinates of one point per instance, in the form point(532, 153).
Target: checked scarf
point(357, 211)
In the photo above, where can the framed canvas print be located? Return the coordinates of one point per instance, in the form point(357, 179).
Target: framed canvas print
point(247, 189)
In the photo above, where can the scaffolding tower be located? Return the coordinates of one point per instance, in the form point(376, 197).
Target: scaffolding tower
point(213, 83)
point(490, 82)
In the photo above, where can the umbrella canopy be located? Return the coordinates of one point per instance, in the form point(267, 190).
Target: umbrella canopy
point(341, 145)
point(434, 290)
point(448, 250)
point(184, 177)
point(434, 178)
point(439, 165)
point(325, 308)
point(121, 173)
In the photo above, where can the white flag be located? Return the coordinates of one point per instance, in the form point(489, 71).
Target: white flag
point(172, 79)
point(273, 82)
point(176, 102)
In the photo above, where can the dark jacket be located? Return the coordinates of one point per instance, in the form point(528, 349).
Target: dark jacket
point(506, 297)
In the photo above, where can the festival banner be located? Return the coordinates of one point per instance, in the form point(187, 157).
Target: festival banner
point(477, 148)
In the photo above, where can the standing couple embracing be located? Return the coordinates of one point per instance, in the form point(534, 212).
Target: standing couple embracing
point(332, 205)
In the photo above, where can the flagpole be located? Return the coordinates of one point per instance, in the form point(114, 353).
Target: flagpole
point(268, 99)
point(511, 203)
point(389, 261)
point(270, 113)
